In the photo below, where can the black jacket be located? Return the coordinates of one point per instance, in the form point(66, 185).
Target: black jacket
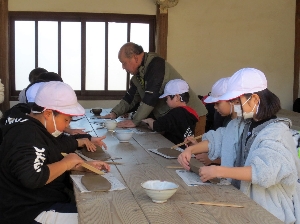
point(178, 124)
point(26, 150)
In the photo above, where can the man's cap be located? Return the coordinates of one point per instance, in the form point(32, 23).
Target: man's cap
point(245, 80)
point(217, 90)
point(175, 86)
point(60, 97)
point(32, 90)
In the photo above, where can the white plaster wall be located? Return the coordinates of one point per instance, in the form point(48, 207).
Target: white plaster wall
point(211, 39)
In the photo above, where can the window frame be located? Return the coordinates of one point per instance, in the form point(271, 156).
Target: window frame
point(77, 17)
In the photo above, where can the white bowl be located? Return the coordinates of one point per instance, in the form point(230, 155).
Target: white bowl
point(159, 191)
point(123, 135)
point(110, 125)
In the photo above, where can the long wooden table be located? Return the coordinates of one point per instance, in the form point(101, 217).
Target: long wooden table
point(132, 205)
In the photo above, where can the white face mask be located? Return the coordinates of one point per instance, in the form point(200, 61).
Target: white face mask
point(238, 110)
point(248, 115)
point(56, 133)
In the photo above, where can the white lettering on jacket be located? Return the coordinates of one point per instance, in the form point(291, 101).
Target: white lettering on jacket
point(188, 132)
point(40, 158)
point(11, 120)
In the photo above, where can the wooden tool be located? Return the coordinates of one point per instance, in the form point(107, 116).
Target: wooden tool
point(113, 163)
point(174, 167)
point(89, 167)
point(180, 144)
point(216, 204)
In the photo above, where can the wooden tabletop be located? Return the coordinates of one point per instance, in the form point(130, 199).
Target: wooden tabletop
point(132, 205)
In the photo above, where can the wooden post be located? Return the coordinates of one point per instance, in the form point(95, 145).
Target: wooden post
point(4, 74)
point(161, 38)
point(297, 52)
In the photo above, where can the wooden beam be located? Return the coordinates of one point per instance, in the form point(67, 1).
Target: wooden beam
point(161, 31)
point(4, 74)
point(297, 52)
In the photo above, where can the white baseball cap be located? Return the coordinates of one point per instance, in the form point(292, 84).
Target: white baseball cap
point(217, 90)
point(60, 97)
point(245, 80)
point(32, 90)
point(175, 86)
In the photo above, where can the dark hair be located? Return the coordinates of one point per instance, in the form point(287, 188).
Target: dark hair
point(269, 104)
point(36, 108)
point(131, 49)
point(49, 76)
point(184, 97)
point(34, 74)
point(40, 109)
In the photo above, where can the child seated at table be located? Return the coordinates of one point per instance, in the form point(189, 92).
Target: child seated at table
point(33, 174)
point(265, 164)
point(224, 108)
point(180, 121)
point(82, 137)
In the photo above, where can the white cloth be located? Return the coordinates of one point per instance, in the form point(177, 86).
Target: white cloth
point(52, 217)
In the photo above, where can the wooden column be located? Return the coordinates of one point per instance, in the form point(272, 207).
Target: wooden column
point(297, 52)
point(161, 37)
point(4, 74)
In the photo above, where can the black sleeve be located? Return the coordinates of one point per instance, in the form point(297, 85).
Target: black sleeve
point(77, 136)
point(154, 78)
point(129, 96)
point(28, 164)
point(68, 144)
point(166, 122)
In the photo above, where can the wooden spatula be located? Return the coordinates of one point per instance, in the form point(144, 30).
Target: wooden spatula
point(216, 204)
point(180, 144)
point(89, 167)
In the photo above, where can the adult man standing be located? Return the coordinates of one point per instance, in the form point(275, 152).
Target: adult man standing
point(150, 74)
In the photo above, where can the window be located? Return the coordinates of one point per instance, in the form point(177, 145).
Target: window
point(81, 47)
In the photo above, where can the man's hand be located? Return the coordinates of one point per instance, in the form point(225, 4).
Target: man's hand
point(126, 124)
point(111, 115)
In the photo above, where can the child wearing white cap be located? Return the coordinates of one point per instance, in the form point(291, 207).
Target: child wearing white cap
point(225, 108)
point(33, 173)
point(83, 139)
point(266, 167)
point(181, 120)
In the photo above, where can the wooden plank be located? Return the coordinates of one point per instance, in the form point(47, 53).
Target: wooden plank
point(133, 205)
point(4, 54)
point(138, 166)
point(116, 207)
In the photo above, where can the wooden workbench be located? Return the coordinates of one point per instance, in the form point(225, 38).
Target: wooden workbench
point(132, 205)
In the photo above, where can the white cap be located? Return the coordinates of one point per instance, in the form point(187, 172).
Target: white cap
point(59, 96)
point(217, 90)
point(175, 86)
point(32, 90)
point(245, 80)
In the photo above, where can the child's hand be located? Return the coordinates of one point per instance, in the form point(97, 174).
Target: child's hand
point(203, 158)
point(87, 143)
point(184, 158)
point(190, 141)
point(99, 165)
point(149, 122)
point(72, 160)
point(208, 172)
point(98, 141)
